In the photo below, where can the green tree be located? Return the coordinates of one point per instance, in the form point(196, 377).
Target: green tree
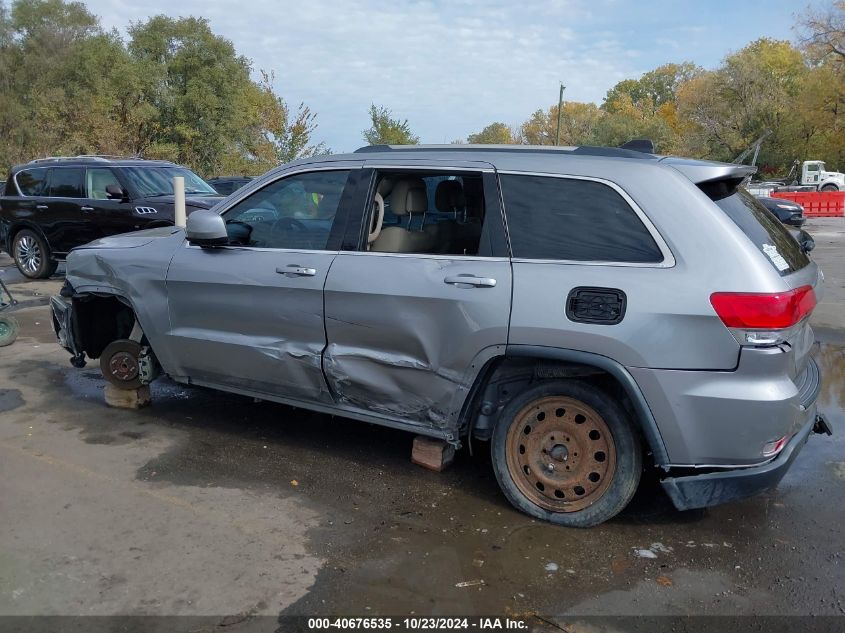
point(58, 68)
point(197, 83)
point(494, 134)
point(385, 130)
point(176, 91)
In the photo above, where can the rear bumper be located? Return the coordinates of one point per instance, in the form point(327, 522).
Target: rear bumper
point(701, 491)
point(727, 418)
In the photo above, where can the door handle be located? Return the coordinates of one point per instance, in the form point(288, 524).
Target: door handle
point(470, 280)
point(86, 208)
point(41, 206)
point(294, 270)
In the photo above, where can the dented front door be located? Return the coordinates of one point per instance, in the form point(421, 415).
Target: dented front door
point(249, 318)
point(249, 315)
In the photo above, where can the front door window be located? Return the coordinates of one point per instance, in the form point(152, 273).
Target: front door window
point(297, 212)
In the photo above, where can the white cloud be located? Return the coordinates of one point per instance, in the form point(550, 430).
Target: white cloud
point(450, 68)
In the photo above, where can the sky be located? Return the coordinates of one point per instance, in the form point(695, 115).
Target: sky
point(452, 67)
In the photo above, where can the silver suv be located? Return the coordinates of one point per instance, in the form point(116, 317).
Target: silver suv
point(591, 312)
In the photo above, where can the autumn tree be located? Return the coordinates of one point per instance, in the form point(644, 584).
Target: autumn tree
point(577, 125)
point(385, 130)
point(822, 35)
point(494, 134)
point(754, 90)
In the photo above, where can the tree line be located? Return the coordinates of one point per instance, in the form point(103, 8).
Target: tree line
point(796, 92)
point(173, 89)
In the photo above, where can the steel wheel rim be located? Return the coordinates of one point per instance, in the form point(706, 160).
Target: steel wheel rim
point(560, 454)
point(28, 253)
point(5, 329)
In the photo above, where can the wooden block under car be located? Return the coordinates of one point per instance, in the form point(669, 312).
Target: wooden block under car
point(127, 398)
point(431, 453)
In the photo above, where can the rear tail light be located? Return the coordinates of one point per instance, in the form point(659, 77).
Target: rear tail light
point(762, 319)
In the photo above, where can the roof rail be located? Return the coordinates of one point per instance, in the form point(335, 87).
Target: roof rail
point(584, 150)
point(93, 157)
point(462, 147)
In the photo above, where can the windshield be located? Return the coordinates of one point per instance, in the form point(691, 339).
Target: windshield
point(158, 181)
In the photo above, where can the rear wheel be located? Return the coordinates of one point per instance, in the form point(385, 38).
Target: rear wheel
point(565, 451)
point(9, 328)
point(32, 255)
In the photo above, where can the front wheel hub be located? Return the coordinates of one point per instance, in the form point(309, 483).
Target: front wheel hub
point(120, 364)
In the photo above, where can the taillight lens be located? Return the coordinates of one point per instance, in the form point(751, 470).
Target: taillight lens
point(764, 311)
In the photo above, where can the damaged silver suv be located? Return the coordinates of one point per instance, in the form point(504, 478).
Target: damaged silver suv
point(592, 312)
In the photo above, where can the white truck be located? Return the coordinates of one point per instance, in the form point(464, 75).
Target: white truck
point(815, 174)
point(813, 177)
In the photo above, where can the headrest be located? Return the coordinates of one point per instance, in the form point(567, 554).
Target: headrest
point(409, 196)
point(449, 196)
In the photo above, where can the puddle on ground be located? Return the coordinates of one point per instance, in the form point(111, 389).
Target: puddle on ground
point(10, 399)
point(400, 539)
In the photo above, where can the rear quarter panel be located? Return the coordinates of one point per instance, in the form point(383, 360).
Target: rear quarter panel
point(669, 321)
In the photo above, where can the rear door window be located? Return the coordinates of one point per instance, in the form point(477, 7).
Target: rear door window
point(575, 220)
point(32, 182)
point(65, 182)
point(766, 232)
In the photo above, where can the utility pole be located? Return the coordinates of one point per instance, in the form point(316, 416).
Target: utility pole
point(559, 112)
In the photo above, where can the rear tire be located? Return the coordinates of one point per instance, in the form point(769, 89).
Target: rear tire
point(566, 452)
point(32, 255)
point(9, 328)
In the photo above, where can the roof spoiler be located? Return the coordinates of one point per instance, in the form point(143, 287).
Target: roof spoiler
point(717, 180)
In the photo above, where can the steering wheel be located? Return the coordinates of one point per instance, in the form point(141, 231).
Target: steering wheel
point(288, 224)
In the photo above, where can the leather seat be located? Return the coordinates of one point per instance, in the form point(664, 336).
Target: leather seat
point(407, 197)
point(449, 198)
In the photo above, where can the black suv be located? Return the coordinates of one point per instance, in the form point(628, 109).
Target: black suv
point(52, 205)
point(229, 184)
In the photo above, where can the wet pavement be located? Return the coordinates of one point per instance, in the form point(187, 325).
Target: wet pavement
point(210, 503)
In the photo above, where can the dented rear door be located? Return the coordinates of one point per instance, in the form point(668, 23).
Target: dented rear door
point(404, 341)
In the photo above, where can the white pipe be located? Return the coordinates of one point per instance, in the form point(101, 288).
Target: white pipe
point(179, 216)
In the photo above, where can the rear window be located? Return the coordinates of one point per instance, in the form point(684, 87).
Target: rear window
point(766, 232)
point(65, 182)
point(32, 182)
point(571, 219)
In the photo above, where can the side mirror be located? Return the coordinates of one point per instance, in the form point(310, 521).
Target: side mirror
point(206, 228)
point(116, 192)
